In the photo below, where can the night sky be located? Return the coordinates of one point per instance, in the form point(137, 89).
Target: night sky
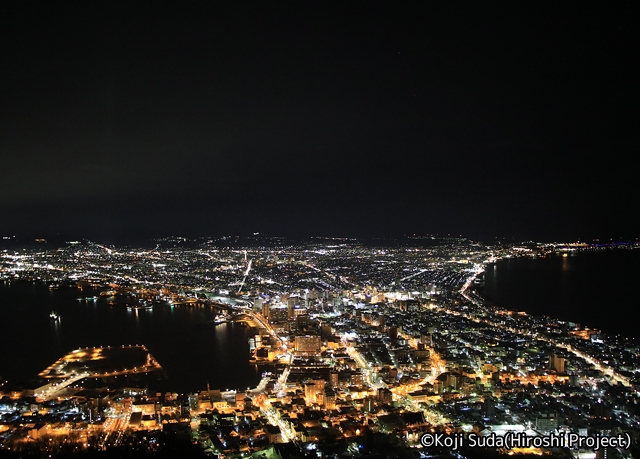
point(137, 119)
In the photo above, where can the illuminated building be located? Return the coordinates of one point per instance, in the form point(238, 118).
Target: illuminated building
point(291, 308)
point(385, 396)
point(309, 393)
point(356, 379)
point(307, 344)
point(278, 314)
point(547, 422)
point(333, 378)
point(556, 363)
point(330, 400)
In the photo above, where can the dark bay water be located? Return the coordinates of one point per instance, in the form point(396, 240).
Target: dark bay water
point(597, 289)
point(191, 350)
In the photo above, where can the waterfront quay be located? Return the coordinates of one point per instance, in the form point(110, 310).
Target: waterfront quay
point(101, 362)
point(94, 362)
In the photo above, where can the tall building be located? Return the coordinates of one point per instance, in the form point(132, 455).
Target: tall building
point(291, 304)
point(330, 400)
point(385, 396)
point(356, 379)
point(334, 378)
point(556, 363)
point(426, 336)
point(307, 344)
point(547, 422)
point(369, 404)
point(314, 392)
point(309, 393)
point(325, 331)
point(278, 314)
point(302, 320)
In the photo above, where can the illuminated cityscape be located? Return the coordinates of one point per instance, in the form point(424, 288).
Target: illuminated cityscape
point(360, 345)
point(319, 230)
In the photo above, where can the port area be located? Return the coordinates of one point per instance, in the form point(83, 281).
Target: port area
point(95, 362)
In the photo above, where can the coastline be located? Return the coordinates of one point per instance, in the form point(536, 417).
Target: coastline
point(581, 286)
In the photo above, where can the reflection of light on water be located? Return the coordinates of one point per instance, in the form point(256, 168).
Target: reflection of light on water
point(56, 327)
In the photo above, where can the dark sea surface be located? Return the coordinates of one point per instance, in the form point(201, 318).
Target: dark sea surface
point(595, 288)
point(191, 349)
